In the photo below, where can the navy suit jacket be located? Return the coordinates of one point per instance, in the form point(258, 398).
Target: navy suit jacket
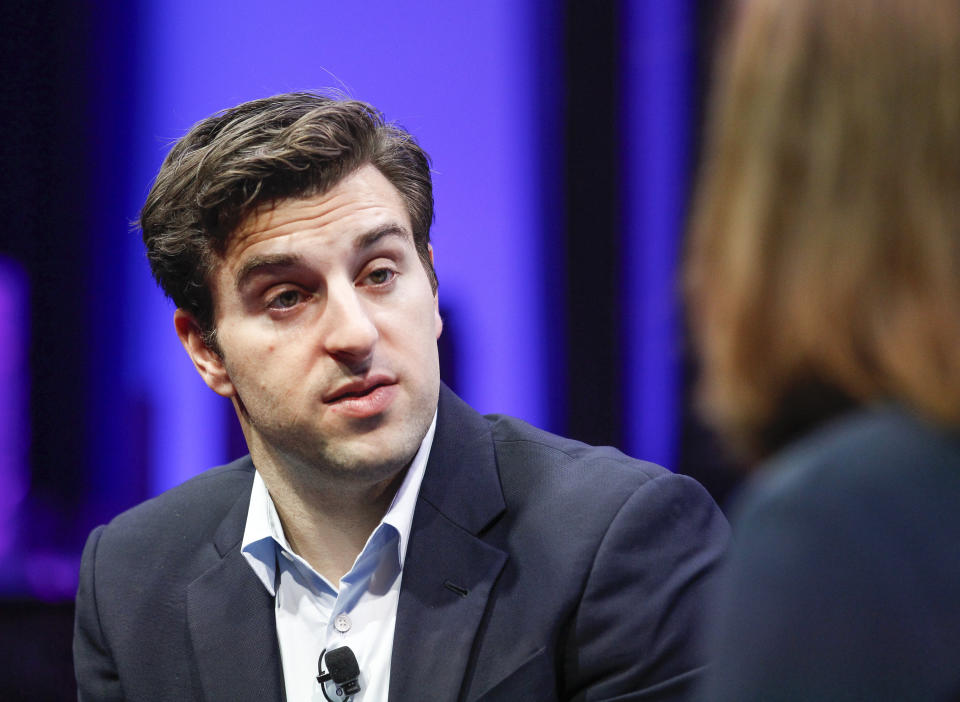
point(538, 568)
point(844, 581)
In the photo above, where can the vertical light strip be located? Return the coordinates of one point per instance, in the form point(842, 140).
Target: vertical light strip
point(460, 77)
point(657, 62)
point(14, 375)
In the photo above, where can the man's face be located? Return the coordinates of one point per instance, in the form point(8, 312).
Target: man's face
point(327, 325)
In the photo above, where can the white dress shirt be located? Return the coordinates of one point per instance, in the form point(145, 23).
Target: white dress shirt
point(313, 614)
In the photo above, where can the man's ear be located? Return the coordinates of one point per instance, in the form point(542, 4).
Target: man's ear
point(438, 321)
point(207, 361)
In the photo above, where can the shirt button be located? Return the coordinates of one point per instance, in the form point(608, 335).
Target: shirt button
point(342, 623)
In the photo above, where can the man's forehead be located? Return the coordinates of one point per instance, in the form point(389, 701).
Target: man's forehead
point(363, 201)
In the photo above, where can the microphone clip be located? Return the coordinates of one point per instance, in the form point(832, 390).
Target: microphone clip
point(344, 672)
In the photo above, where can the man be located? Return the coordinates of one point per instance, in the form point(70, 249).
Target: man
point(459, 557)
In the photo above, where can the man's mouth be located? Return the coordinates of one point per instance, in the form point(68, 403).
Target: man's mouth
point(363, 398)
point(357, 389)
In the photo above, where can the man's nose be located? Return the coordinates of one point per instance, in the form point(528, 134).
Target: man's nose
point(350, 334)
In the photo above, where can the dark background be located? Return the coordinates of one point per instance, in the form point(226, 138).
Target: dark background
point(58, 150)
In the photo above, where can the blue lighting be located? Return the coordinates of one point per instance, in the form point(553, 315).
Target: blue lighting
point(659, 46)
point(14, 430)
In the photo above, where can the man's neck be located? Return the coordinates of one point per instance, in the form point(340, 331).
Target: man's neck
point(328, 524)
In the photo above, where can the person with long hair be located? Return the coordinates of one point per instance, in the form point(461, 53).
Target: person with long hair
point(823, 285)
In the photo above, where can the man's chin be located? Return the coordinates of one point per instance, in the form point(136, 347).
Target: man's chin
point(370, 451)
point(364, 463)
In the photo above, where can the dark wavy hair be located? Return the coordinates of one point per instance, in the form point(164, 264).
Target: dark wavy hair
point(233, 163)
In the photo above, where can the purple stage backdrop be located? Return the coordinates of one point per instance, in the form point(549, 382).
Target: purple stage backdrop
point(658, 58)
point(14, 429)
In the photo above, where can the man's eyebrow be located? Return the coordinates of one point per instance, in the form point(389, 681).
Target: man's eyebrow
point(370, 238)
point(256, 264)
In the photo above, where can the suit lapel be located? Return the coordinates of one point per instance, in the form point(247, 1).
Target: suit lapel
point(232, 626)
point(449, 571)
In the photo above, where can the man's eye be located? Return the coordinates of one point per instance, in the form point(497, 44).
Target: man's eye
point(288, 298)
point(381, 276)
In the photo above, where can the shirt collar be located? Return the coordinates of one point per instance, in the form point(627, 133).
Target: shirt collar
point(263, 532)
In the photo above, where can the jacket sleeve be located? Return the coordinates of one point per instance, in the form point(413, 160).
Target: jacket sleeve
point(637, 630)
point(96, 672)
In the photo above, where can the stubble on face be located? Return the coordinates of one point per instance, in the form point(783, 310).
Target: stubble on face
point(310, 458)
point(282, 363)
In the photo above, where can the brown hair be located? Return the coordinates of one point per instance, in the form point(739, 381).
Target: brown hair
point(233, 163)
point(824, 258)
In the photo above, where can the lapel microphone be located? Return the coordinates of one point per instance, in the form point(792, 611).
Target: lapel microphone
point(342, 670)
